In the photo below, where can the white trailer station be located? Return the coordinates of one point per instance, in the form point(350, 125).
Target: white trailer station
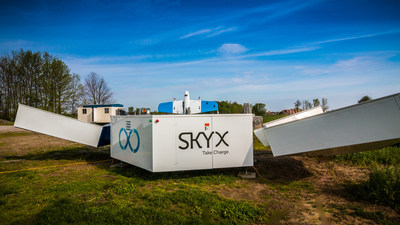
point(173, 142)
point(157, 143)
point(161, 143)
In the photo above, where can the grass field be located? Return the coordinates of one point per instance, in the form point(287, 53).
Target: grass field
point(5, 123)
point(60, 182)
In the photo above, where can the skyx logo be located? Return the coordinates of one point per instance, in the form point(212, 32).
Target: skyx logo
point(189, 141)
point(128, 142)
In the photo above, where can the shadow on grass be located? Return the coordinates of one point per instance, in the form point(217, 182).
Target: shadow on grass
point(90, 154)
point(75, 153)
point(280, 169)
point(70, 211)
point(212, 176)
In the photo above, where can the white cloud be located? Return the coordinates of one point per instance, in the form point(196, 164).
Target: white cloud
point(231, 49)
point(357, 37)
point(282, 51)
point(199, 32)
point(276, 83)
point(214, 32)
point(221, 31)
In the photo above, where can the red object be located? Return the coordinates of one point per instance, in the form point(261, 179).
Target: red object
point(157, 121)
point(207, 124)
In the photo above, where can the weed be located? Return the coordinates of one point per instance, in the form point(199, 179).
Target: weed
point(377, 217)
point(385, 156)
point(14, 134)
point(383, 186)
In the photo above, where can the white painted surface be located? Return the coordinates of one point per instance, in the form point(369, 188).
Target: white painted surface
point(239, 139)
point(143, 157)
point(179, 142)
point(370, 122)
point(298, 116)
point(56, 125)
point(171, 153)
point(195, 106)
point(177, 107)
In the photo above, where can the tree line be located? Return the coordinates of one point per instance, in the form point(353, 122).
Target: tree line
point(44, 81)
point(305, 104)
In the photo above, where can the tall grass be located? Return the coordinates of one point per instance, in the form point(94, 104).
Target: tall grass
point(383, 184)
point(383, 187)
point(386, 156)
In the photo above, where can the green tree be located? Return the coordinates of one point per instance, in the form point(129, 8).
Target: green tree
point(36, 79)
point(297, 105)
point(306, 105)
point(324, 104)
point(131, 110)
point(316, 102)
point(365, 99)
point(259, 109)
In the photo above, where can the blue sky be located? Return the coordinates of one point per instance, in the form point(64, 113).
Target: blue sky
point(273, 52)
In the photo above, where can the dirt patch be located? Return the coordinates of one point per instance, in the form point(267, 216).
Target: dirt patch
point(5, 129)
point(311, 189)
point(254, 192)
point(21, 142)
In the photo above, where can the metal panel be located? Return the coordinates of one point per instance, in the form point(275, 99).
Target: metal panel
point(232, 141)
point(57, 125)
point(131, 140)
point(298, 116)
point(167, 107)
point(356, 128)
point(209, 106)
point(195, 106)
point(180, 143)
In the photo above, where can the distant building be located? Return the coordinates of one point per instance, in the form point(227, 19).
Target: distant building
point(289, 111)
point(99, 113)
point(145, 111)
point(272, 113)
point(247, 108)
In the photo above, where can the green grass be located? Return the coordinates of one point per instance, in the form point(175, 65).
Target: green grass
point(99, 194)
point(386, 156)
point(359, 211)
point(296, 185)
point(377, 217)
point(269, 118)
point(6, 123)
point(382, 187)
point(383, 184)
point(14, 134)
point(257, 145)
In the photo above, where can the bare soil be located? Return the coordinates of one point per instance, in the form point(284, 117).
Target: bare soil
point(327, 202)
point(5, 129)
point(17, 142)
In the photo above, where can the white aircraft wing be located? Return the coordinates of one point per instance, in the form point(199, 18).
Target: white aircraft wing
point(171, 107)
point(64, 127)
point(195, 106)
